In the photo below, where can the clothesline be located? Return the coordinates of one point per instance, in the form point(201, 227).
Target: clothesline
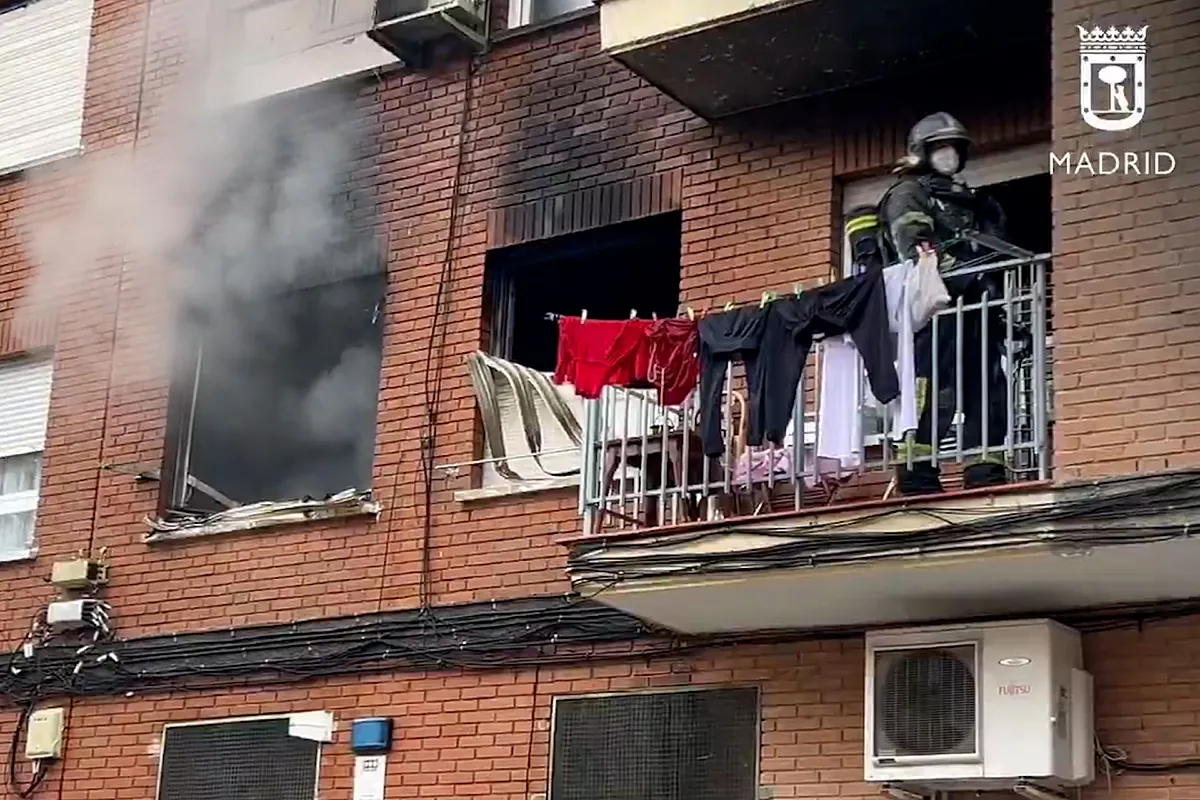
point(691, 313)
point(879, 311)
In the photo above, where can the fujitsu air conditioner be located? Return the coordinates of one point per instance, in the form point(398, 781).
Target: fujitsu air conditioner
point(978, 707)
point(424, 32)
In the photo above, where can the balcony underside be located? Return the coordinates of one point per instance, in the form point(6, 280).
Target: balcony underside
point(722, 57)
point(1023, 550)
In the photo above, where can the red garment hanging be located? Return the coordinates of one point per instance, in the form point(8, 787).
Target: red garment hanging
point(674, 359)
point(599, 353)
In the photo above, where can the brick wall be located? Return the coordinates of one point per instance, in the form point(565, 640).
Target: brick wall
point(551, 114)
point(487, 734)
point(1126, 260)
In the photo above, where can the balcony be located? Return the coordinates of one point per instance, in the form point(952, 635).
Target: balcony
point(812, 536)
point(808, 537)
point(722, 57)
point(628, 485)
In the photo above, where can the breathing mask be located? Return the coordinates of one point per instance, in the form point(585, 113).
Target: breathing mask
point(945, 160)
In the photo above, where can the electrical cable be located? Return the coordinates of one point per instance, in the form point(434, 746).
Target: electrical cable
point(1064, 524)
point(45, 635)
point(1115, 759)
point(533, 704)
point(14, 781)
point(435, 353)
point(567, 634)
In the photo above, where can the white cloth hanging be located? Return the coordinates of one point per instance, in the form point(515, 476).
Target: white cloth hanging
point(839, 425)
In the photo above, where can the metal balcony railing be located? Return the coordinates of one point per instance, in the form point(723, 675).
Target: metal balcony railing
point(643, 464)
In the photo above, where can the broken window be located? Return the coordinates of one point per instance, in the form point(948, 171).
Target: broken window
point(610, 272)
point(279, 342)
point(278, 397)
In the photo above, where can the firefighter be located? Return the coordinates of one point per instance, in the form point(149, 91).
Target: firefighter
point(926, 211)
point(862, 232)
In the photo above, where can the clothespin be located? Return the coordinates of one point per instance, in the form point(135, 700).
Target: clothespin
point(654, 316)
point(583, 316)
point(691, 313)
point(729, 306)
point(766, 298)
point(796, 289)
point(633, 313)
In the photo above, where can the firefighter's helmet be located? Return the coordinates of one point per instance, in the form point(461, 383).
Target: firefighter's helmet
point(934, 129)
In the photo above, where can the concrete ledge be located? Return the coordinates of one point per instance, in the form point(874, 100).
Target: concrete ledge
point(271, 514)
point(522, 489)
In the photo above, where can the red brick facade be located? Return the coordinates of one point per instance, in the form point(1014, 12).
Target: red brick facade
point(551, 114)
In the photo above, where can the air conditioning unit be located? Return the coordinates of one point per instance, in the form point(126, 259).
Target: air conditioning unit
point(424, 32)
point(978, 707)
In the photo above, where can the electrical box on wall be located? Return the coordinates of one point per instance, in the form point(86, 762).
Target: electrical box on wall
point(370, 736)
point(44, 733)
point(78, 573)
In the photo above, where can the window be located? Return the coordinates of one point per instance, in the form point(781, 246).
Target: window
point(239, 760)
point(276, 398)
point(279, 337)
point(610, 272)
point(694, 744)
point(24, 406)
point(43, 69)
point(531, 12)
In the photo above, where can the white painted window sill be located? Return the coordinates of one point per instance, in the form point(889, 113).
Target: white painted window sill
point(516, 489)
point(17, 556)
point(41, 161)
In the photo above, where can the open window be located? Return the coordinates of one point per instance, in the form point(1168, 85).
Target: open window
point(276, 399)
point(279, 329)
point(610, 272)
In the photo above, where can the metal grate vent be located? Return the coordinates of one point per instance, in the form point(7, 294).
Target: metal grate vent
point(925, 702)
point(674, 745)
point(246, 760)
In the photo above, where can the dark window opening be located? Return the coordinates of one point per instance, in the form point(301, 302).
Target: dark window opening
point(1026, 204)
point(608, 272)
point(276, 398)
point(247, 760)
point(1029, 222)
point(280, 334)
point(670, 745)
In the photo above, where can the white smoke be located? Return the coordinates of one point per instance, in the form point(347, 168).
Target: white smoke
point(216, 206)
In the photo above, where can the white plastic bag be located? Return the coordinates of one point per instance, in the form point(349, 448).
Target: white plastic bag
point(925, 290)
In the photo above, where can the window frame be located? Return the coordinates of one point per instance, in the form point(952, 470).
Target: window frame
point(162, 744)
point(23, 503)
point(28, 500)
point(174, 473)
point(758, 723)
point(520, 13)
point(78, 99)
